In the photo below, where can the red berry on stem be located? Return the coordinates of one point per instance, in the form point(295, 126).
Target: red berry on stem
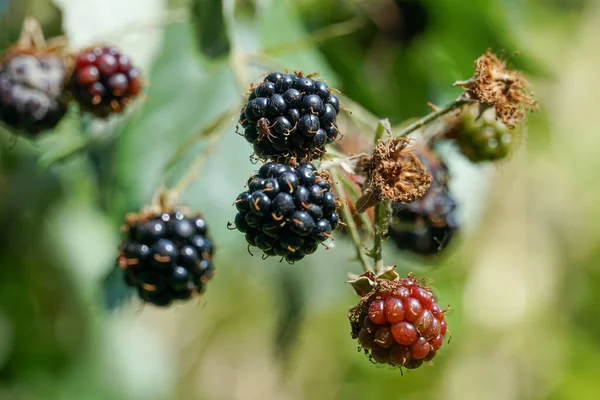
point(399, 323)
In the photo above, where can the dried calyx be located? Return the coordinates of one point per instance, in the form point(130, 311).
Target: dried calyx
point(394, 173)
point(493, 85)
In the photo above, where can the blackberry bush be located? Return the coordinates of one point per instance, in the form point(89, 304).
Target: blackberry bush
point(427, 225)
point(287, 211)
point(398, 322)
point(104, 81)
point(166, 256)
point(31, 91)
point(290, 115)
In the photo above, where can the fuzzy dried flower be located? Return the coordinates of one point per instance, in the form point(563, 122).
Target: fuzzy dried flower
point(496, 86)
point(394, 173)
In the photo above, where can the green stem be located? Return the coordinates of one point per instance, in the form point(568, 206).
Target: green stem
point(367, 224)
point(430, 117)
point(379, 234)
point(349, 221)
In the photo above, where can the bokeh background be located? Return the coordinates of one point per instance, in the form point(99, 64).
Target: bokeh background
point(523, 279)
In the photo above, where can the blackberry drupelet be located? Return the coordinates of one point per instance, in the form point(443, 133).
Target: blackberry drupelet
point(104, 81)
point(399, 323)
point(290, 115)
point(31, 91)
point(166, 256)
point(427, 225)
point(287, 211)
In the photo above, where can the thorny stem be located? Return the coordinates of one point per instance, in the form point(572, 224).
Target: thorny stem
point(431, 117)
point(349, 220)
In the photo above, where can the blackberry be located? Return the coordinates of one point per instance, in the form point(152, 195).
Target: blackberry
point(287, 211)
point(31, 91)
point(290, 115)
point(427, 225)
point(483, 137)
point(166, 256)
point(398, 322)
point(104, 81)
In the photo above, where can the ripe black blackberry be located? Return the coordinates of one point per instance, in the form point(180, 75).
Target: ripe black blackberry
point(104, 81)
point(287, 211)
point(166, 256)
point(398, 322)
point(427, 225)
point(31, 91)
point(290, 115)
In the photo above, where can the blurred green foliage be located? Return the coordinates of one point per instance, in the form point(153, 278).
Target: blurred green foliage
point(523, 327)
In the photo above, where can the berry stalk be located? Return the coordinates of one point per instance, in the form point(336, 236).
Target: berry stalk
point(379, 234)
point(431, 117)
point(349, 221)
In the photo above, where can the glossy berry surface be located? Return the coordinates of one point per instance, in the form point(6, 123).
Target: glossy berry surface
point(399, 323)
point(287, 211)
point(104, 81)
point(166, 257)
point(289, 115)
point(31, 92)
point(427, 225)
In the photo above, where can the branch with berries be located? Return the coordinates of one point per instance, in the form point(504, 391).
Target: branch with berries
point(309, 183)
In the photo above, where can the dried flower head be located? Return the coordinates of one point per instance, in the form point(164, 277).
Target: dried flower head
point(394, 173)
point(496, 86)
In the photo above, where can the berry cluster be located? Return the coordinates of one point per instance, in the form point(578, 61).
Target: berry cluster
point(290, 116)
point(426, 225)
point(104, 81)
point(166, 256)
point(399, 323)
point(31, 92)
point(287, 211)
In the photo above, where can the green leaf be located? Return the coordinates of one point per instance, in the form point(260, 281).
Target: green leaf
point(210, 29)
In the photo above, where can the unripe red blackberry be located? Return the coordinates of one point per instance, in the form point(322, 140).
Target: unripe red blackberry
point(427, 225)
point(398, 321)
point(166, 256)
point(104, 81)
point(482, 137)
point(290, 116)
point(287, 211)
point(31, 90)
